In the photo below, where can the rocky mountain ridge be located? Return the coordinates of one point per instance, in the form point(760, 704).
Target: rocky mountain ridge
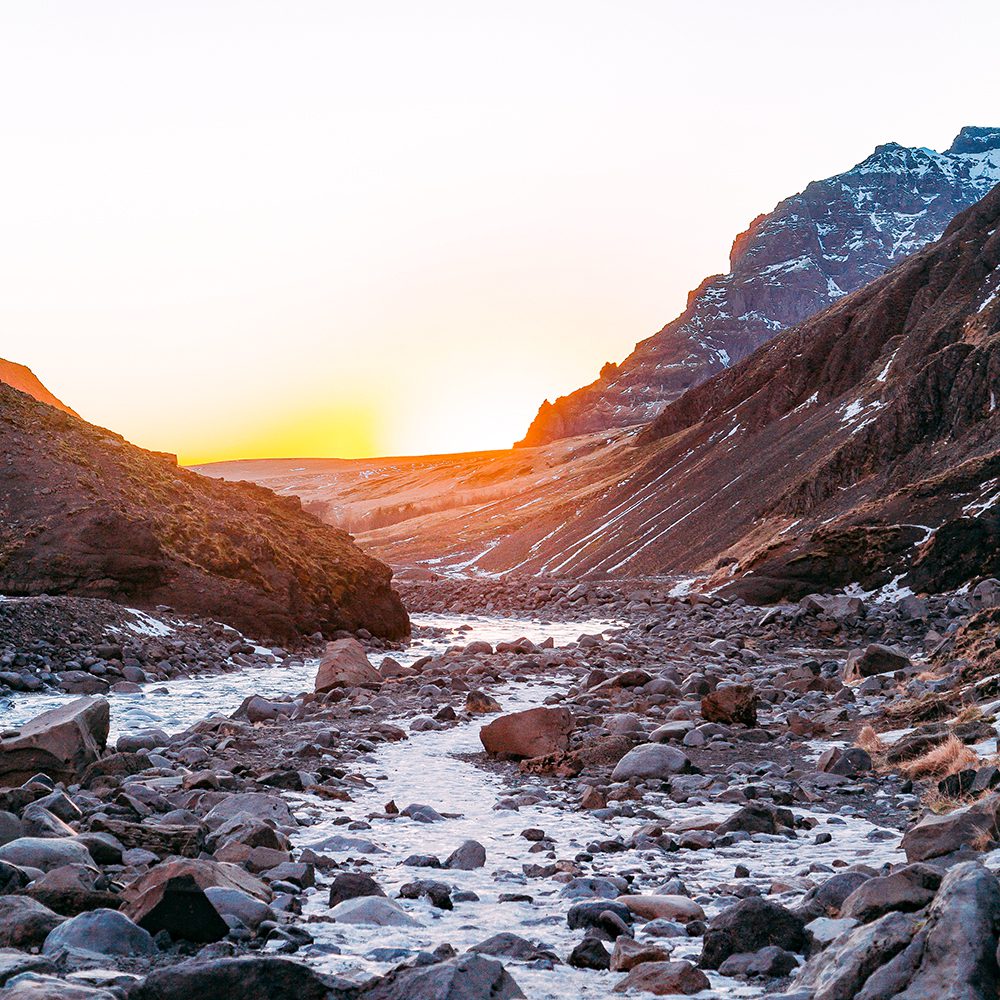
point(25, 380)
point(860, 447)
point(810, 251)
point(86, 514)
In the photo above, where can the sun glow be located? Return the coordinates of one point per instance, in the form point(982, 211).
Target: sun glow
point(341, 229)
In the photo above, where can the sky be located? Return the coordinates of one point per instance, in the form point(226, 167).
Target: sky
point(285, 229)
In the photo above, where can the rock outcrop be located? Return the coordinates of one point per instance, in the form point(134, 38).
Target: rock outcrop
point(60, 743)
point(85, 513)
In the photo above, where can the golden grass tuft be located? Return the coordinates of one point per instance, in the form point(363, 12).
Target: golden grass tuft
point(870, 741)
point(947, 758)
point(971, 713)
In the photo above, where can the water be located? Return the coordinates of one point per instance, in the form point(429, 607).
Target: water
point(175, 705)
point(435, 768)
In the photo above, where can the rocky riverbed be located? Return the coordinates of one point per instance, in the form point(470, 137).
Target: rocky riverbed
point(556, 790)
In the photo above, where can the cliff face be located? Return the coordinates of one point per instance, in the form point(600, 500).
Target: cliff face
point(85, 513)
point(810, 251)
point(25, 380)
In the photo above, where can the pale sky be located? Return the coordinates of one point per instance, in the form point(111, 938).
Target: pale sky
point(237, 229)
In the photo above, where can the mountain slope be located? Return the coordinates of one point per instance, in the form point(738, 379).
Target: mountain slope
point(811, 250)
point(24, 379)
point(85, 513)
point(861, 446)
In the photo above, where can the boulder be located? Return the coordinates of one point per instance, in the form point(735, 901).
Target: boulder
point(874, 659)
point(468, 977)
point(345, 664)
point(25, 923)
point(59, 743)
point(250, 978)
point(665, 979)
point(532, 733)
point(467, 857)
point(753, 923)
point(507, 945)
point(973, 826)
point(909, 889)
point(374, 910)
point(758, 817)
point(678, 908)
point(841, 970)
point(353, 885)
point(731, 704)
point(650, 760)
point(480, 703)
point(959, 956)
point(239, 905)
point(252, 806)
point(97, 933)
point(37, 986)
point(768, 963)
point(45, 853)
point(628, 953)
point(172, 897)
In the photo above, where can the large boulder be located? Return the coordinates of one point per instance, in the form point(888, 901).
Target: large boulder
point(375, 911)
point(25, 923)
point(874, 659)
point(665, 979)
point(841, 971)
point(249, 978)
point(909, 889)
point(468, 977)
point(678, 908)
point(731, 704)
point(532, 733)
point(59, 743)
point(172, 897)
point(45, 853)
point(99, 933)
point(752, 924)
point(948, 952)
point(345, 664)
point(973, 826)
point(650, 760)
point(38, 986)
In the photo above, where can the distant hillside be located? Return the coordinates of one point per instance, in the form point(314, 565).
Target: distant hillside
point(85, 513)
point(25, 380)
point(808, 252)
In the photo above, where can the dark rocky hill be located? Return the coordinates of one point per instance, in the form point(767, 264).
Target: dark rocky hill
point(811, 250)
point(85, 513)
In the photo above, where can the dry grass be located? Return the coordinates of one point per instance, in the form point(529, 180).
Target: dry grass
point(940, 804)
point(947, 758)
point(870, 741)
point(971, 713)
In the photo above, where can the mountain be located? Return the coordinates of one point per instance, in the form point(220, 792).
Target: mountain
point(859, 447)
point(85, 513)
point(810, 251)
point(862, 446)
point(24, 380)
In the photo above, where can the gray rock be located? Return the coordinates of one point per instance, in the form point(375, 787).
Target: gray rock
point(650, 760)
point(375, 910)
point(467, 857)
point(468, 977)
point(245, 908)
point(45, 853)
point(99, 932)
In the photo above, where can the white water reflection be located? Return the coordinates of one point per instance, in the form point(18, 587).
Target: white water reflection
point(433, 768)
point(174, 705)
